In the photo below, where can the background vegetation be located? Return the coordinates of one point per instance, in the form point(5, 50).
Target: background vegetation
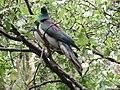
point(93, 24)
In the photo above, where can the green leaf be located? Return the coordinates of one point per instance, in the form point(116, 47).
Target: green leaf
point(1, 1)
point(8, 25)
point(62, 87)
point(107, 52)
point(32, 0)
point(118, 57)
point(14, 75)
point(43, 1)
point(83, 39)
point(109, 41)
point(98, 1)
point(24, 10)
point(61, 13)
point(34, 18)
point(93, 41)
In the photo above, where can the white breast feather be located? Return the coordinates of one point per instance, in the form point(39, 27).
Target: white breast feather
point(52, 41)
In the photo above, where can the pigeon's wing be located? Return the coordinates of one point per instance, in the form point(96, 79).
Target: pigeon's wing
point(54, 31)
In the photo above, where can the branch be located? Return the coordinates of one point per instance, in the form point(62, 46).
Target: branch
point(14, 30)
point(49, 63)
point(10, 37)
point(105, 13)
point(28, 6)
point(65, 78)
point(52, 81)
point(14, 49)
point(88, 68)
point(91, 4)
point(108, 58)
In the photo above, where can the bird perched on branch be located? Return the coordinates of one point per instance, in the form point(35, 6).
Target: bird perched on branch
point(50, 33)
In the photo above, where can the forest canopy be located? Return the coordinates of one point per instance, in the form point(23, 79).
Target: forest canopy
point(94, 25)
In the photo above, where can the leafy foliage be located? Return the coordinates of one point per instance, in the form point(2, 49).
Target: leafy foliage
point(93, 24)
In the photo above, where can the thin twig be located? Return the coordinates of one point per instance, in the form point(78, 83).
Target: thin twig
point(12, 59)
point(37, 67)
point(91, 4)
point(108, 58)
point(105, 13)
point(28, 6)
point(14, 49)
point(52, 81)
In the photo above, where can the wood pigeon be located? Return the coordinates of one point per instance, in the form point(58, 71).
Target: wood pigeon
point(56, 38)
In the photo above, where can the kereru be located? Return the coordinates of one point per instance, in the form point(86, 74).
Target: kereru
point(57, 39)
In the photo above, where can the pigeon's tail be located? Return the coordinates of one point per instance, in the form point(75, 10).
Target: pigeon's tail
point(72, 56)
point(76, 63)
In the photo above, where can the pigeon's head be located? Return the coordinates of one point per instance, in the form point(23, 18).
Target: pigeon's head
point(44, 10)
point(44, 14)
